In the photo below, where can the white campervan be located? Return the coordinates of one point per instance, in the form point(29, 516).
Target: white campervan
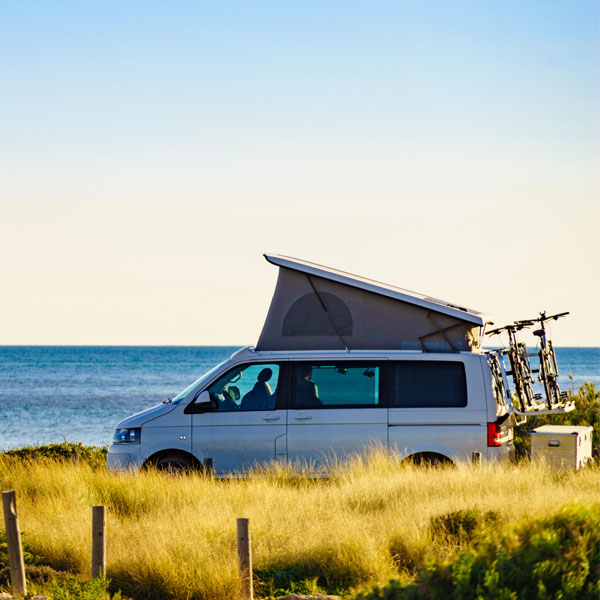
point(343, 363)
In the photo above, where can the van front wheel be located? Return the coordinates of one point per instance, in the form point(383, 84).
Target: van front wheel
point(173, 463)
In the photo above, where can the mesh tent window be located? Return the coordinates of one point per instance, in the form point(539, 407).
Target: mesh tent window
point(324, 314)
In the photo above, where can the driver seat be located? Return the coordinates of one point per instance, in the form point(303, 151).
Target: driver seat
point(260, 397)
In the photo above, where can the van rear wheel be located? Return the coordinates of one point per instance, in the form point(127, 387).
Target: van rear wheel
point(429, 459)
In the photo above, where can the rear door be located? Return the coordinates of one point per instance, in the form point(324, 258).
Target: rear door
point(337, 409)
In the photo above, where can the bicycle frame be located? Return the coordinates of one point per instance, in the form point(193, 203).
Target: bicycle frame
point(520, 369)
point(548, 370)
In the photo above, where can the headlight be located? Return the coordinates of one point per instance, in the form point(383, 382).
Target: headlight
point(127, 436)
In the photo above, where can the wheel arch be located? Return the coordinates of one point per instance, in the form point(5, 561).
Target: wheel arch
point(175, 452)
point(429, 459)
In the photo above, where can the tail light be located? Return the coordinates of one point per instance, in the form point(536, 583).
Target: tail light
point(494, 433)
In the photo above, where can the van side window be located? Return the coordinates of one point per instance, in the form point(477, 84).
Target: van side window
point(335, 386)
point(250, 387)
point(429, 384)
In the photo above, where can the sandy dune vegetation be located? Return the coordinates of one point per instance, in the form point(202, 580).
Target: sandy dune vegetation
point(373, 519)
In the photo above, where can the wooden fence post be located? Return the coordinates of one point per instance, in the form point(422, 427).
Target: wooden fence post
point(476, 459)
point(244, 560)
point(13, 539)
point(98, 541)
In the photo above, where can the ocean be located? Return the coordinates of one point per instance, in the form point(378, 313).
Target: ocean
point(79, 393)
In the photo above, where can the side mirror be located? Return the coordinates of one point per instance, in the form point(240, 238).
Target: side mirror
point(202, 404)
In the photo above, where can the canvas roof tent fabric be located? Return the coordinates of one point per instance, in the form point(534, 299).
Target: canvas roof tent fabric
point(319, 308)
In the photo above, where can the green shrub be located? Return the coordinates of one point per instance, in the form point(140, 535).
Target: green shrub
point(271, 583)
point(587, 412)
point(460, 527)
point(61, 585)
point(408, 558)
point(331, 569)
point(30, 559)
point(72, 588)
point(73, 451)
point(550, 557)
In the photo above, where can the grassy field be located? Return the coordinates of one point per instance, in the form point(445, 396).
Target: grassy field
point(372, 521)
point(376, 529)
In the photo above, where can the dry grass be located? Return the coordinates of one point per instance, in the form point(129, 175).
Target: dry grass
point(175, 537)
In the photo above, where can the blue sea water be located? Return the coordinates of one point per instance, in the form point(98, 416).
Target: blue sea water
point(79, 393)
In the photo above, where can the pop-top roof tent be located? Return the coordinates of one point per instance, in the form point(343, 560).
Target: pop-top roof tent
point(319, 308)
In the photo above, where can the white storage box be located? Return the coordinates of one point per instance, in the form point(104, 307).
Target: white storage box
point(562, 446)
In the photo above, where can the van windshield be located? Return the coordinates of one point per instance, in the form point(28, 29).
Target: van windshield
point(196, 383)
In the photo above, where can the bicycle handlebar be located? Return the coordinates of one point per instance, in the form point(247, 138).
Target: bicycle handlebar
point(518, 325)
point(540, 319)
point(501, 329)
point(543, 316)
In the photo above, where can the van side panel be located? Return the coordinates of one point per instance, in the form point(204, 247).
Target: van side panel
point(456, 441)
point(316, 437)
point(454, 432)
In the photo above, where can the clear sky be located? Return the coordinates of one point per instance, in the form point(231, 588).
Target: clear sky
point(150, 152)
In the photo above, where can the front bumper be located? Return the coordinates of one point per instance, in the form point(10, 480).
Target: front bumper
point(123, 457)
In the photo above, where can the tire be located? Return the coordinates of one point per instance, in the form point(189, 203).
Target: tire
point(177, 464)
point(429, 459)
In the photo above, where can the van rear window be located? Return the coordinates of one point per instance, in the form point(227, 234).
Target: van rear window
point(429, 384)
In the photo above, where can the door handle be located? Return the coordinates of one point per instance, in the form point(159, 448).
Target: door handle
point(303, 417)
point(271, 418)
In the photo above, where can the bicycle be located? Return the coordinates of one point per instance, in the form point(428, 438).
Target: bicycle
point(548, 368)
point(520, 369)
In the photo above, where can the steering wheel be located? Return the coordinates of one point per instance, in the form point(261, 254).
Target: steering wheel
point(214, 402)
